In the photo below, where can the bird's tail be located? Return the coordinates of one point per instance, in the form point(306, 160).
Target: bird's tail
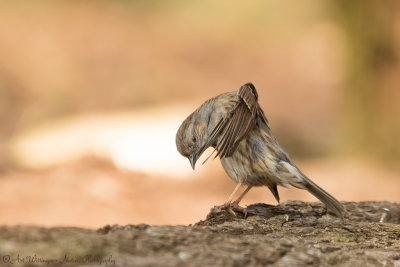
point(331, 203)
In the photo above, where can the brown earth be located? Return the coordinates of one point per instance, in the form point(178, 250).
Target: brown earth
point(291, 234)
point(91, 193)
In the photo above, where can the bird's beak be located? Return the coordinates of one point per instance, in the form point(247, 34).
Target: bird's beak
point(193, 159)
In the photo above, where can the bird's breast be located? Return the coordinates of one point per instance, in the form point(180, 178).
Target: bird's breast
point(251, 163)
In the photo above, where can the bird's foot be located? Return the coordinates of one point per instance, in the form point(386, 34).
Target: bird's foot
point(230, 206)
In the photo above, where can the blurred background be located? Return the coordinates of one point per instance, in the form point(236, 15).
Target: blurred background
point(93, 92)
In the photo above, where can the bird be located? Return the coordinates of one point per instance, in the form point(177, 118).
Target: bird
point(235, 125)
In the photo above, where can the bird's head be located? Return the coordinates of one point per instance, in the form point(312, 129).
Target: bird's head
point(191, 138)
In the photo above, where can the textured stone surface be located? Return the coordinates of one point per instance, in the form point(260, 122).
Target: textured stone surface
point(290, 234)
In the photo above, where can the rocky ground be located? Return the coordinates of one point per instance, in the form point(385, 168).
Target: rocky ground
point(290, 234)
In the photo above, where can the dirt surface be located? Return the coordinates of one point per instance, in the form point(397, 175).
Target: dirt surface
point(291, 234)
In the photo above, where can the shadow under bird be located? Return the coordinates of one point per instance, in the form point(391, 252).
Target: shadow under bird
point(235, 126)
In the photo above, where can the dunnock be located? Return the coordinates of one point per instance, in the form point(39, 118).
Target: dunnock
point(235, 126)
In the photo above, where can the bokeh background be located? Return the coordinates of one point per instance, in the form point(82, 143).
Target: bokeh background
point(92, 93)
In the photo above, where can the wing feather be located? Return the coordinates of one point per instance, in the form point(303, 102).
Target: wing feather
point(236, 126)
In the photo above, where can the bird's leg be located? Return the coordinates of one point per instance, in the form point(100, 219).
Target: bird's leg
point(236, 202)
point(228, 202)
point(229, 205)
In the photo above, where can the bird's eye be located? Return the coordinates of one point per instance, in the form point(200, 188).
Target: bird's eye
point(194, 139)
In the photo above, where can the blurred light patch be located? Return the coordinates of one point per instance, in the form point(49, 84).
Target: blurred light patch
point(139, 141)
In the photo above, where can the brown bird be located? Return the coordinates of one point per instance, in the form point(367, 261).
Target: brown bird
point(235, 126)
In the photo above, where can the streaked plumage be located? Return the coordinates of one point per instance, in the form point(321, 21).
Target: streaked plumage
point(235, 125)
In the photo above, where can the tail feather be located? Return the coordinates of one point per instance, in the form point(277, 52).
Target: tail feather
point(297, 179)
point(331, 203)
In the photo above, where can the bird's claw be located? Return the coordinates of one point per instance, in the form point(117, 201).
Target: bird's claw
point(234, 205)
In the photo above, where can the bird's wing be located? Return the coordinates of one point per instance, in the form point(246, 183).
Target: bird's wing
point(236, 125)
